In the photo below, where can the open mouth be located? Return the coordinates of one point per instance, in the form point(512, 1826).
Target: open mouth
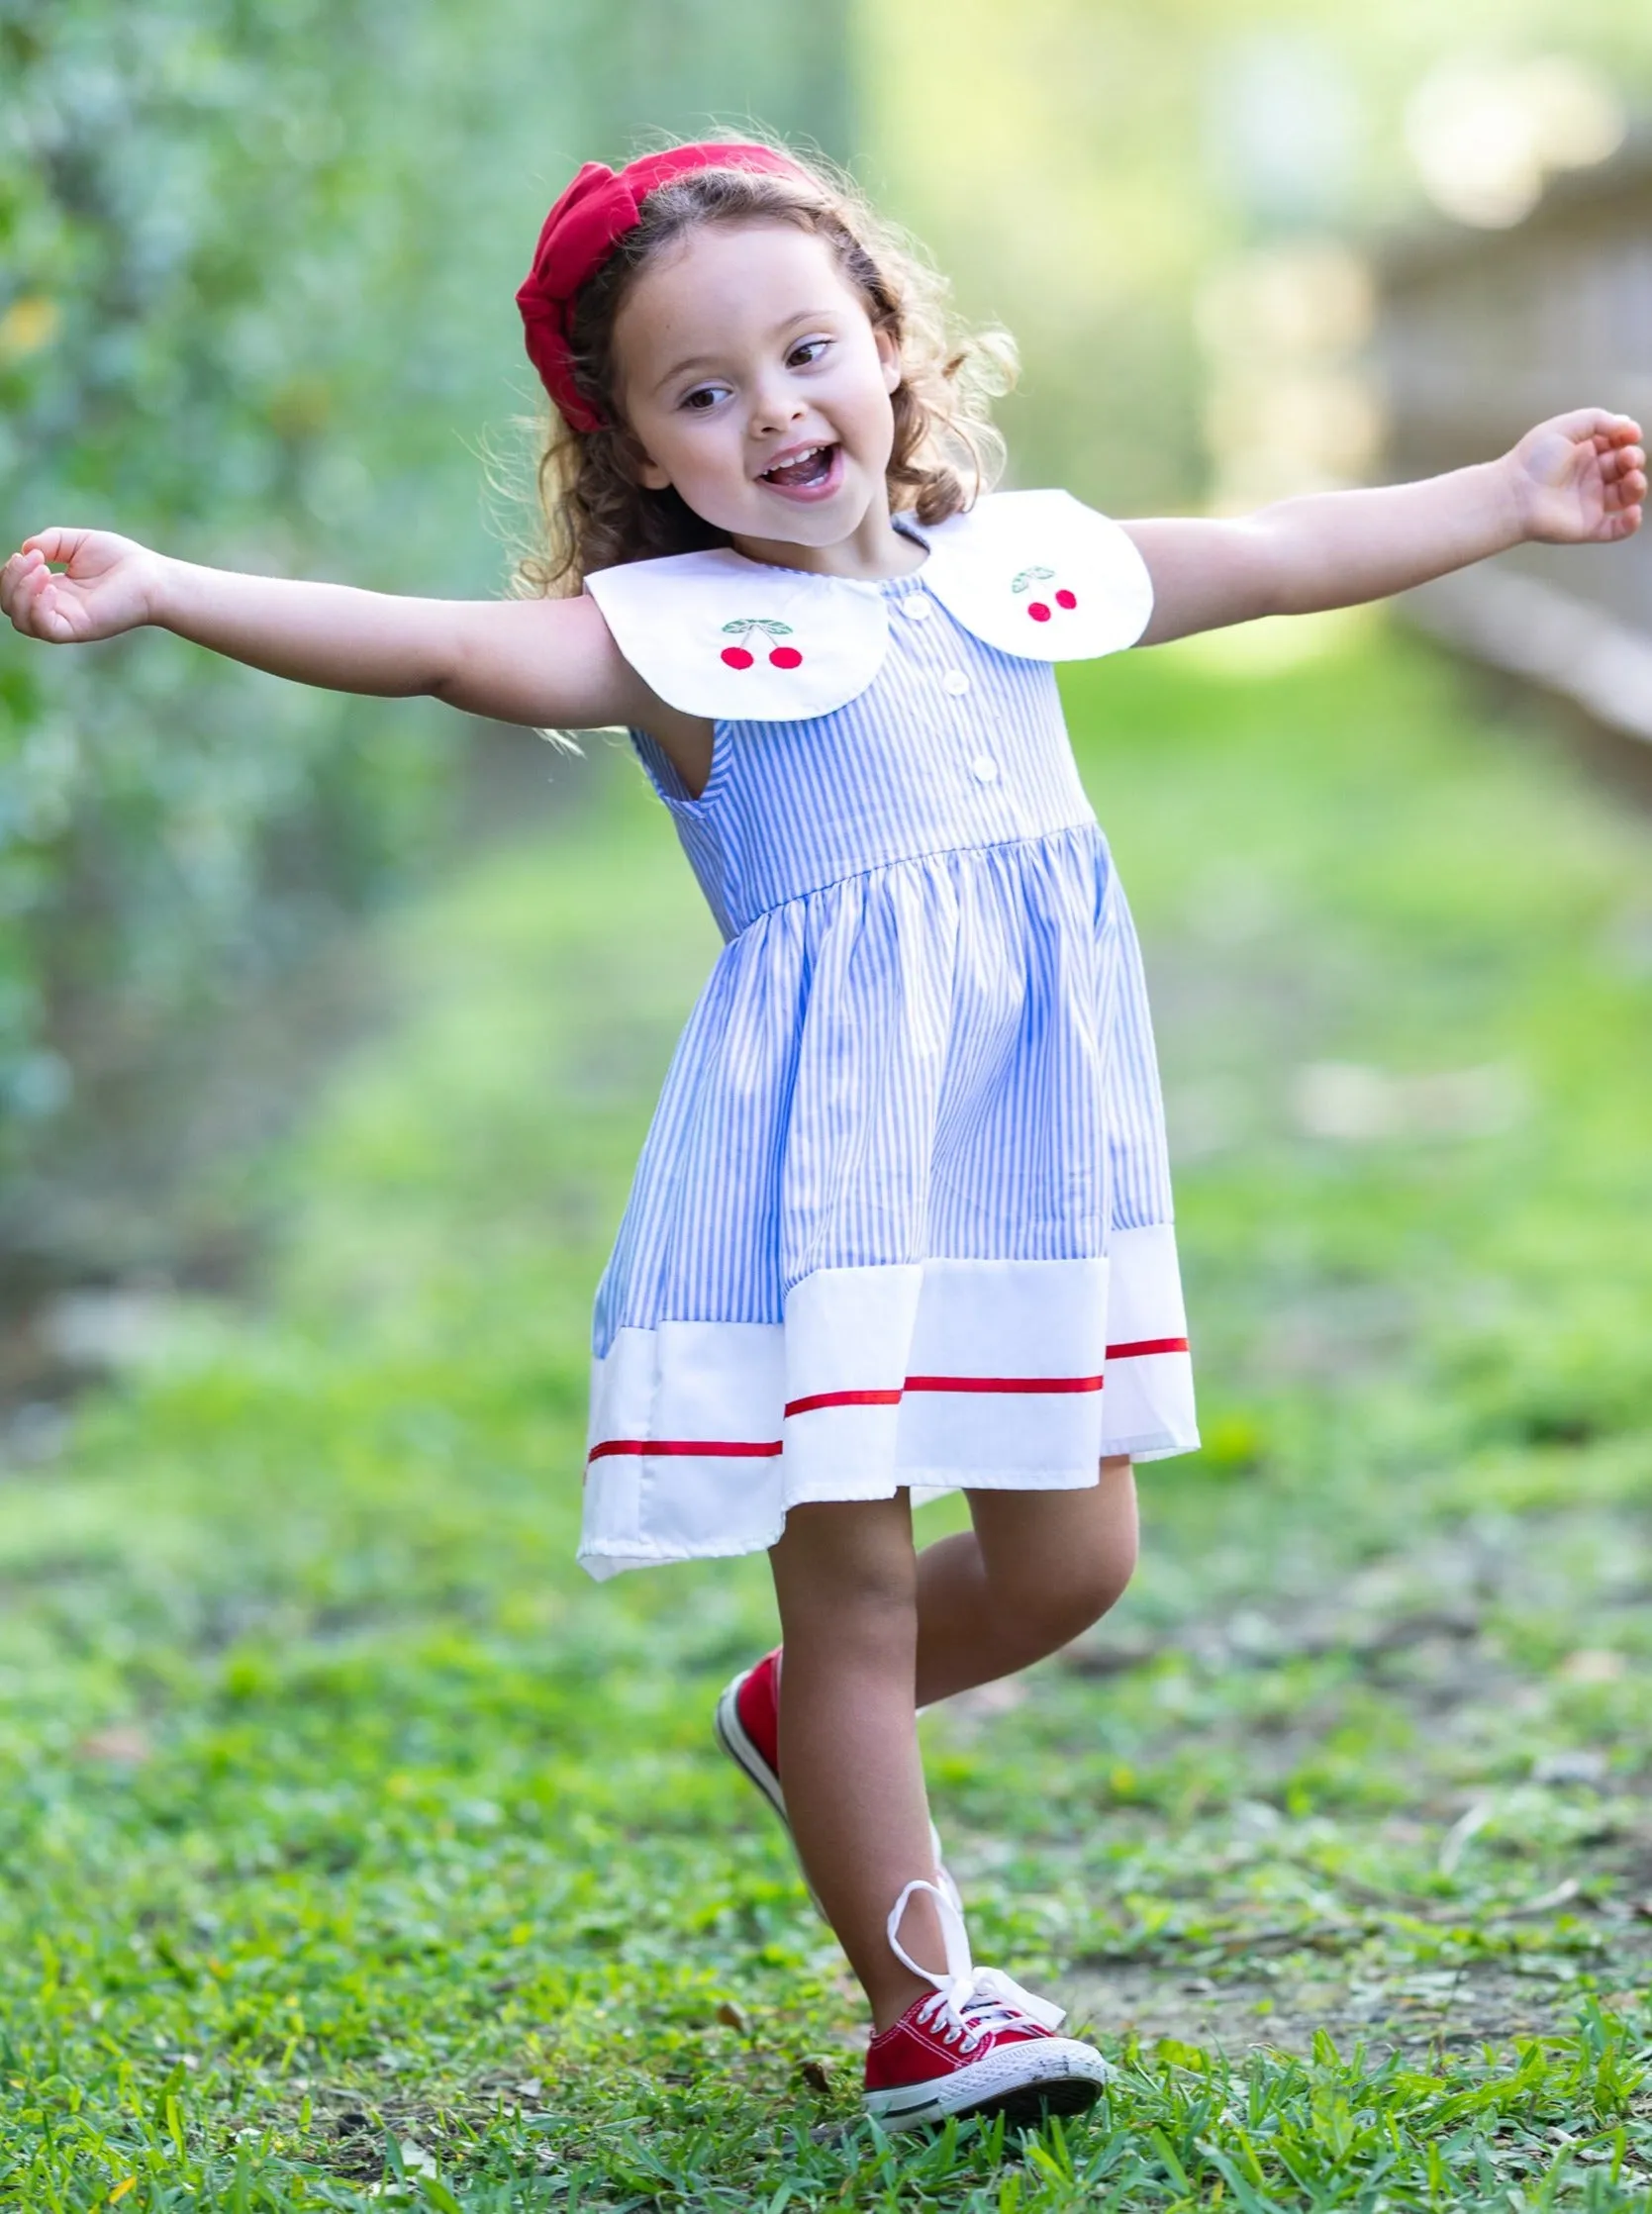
point(809, 469)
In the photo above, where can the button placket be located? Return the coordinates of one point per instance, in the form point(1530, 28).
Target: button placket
point(956, 683)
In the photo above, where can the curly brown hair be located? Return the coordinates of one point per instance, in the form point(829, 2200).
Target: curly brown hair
point(593, 513)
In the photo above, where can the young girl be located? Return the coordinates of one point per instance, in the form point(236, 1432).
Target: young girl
point(902, 1216)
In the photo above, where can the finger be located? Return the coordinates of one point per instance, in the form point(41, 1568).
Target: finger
point(56, 544)
point(48, 610)
point(23, 593)
point(1619, 485)
point(12, 575)
point(34, 600)
point(1612, 433)
point(1624, 517)
point(22, 588)
point(1596, 430)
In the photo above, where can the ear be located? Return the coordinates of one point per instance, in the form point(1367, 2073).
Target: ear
point(889, 356)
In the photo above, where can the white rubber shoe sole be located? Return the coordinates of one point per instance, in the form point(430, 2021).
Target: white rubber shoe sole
point(1023, 2082)
point(732, 1735)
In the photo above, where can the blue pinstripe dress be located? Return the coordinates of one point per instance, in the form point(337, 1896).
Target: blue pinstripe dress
point(902, 1216)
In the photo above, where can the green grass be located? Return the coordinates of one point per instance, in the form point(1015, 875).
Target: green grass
point(354, 1850)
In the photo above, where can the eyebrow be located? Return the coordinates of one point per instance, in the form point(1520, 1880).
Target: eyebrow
point(710, 360)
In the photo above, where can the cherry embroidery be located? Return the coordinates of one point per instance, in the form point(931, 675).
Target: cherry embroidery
point(1040, 609)
point(741, 657)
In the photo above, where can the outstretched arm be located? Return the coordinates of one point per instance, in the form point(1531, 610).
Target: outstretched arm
point(545, 663)
point(1577, 479)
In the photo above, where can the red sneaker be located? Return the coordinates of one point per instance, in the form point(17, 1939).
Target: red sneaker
point(977, 2045)
point(747, 1725)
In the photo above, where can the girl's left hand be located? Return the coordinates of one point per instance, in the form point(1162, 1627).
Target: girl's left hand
point(1579, 479)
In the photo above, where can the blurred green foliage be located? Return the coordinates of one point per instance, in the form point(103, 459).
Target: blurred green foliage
point(1082, 168)
point(257, 267)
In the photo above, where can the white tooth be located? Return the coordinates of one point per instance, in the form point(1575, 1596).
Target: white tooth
point(809, 454)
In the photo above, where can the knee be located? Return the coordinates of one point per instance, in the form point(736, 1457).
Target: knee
point(1064, 1593)
point(835, 1578)
point(1075, 1594)
point(869, 1620)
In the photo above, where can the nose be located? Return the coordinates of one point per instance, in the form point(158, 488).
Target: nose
point(775, 403)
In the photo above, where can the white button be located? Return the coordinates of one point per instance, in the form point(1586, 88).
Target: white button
point(918, 607)
point(986, 768)
point(954, 680)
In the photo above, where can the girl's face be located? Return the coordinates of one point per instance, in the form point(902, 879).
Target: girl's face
point(754, 383)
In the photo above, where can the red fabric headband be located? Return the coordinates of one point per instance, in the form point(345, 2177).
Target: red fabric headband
point(579, 234)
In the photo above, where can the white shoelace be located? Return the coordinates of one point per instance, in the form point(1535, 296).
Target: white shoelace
point(971, 2002)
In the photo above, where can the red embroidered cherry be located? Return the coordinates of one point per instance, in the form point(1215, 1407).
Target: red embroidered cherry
point(1066, 599)
point(736, 656)
point(785, 657)
point(1037, 610)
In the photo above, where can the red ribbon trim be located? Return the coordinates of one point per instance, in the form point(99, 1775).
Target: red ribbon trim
point(723, 1448)
point(727, 1448)
point(843, 1399)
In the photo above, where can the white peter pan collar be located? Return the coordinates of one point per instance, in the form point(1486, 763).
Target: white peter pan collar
point(1035, 574)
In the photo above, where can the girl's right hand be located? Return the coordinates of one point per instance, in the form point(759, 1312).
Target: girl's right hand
point(107, 585)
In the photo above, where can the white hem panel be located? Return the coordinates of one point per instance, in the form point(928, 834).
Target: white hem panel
point(660, 1393)
point(940, 1374)
point(1148, 1409)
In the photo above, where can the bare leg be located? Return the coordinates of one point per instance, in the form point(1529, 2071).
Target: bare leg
point(1037, 1567)
point(847, 1578)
